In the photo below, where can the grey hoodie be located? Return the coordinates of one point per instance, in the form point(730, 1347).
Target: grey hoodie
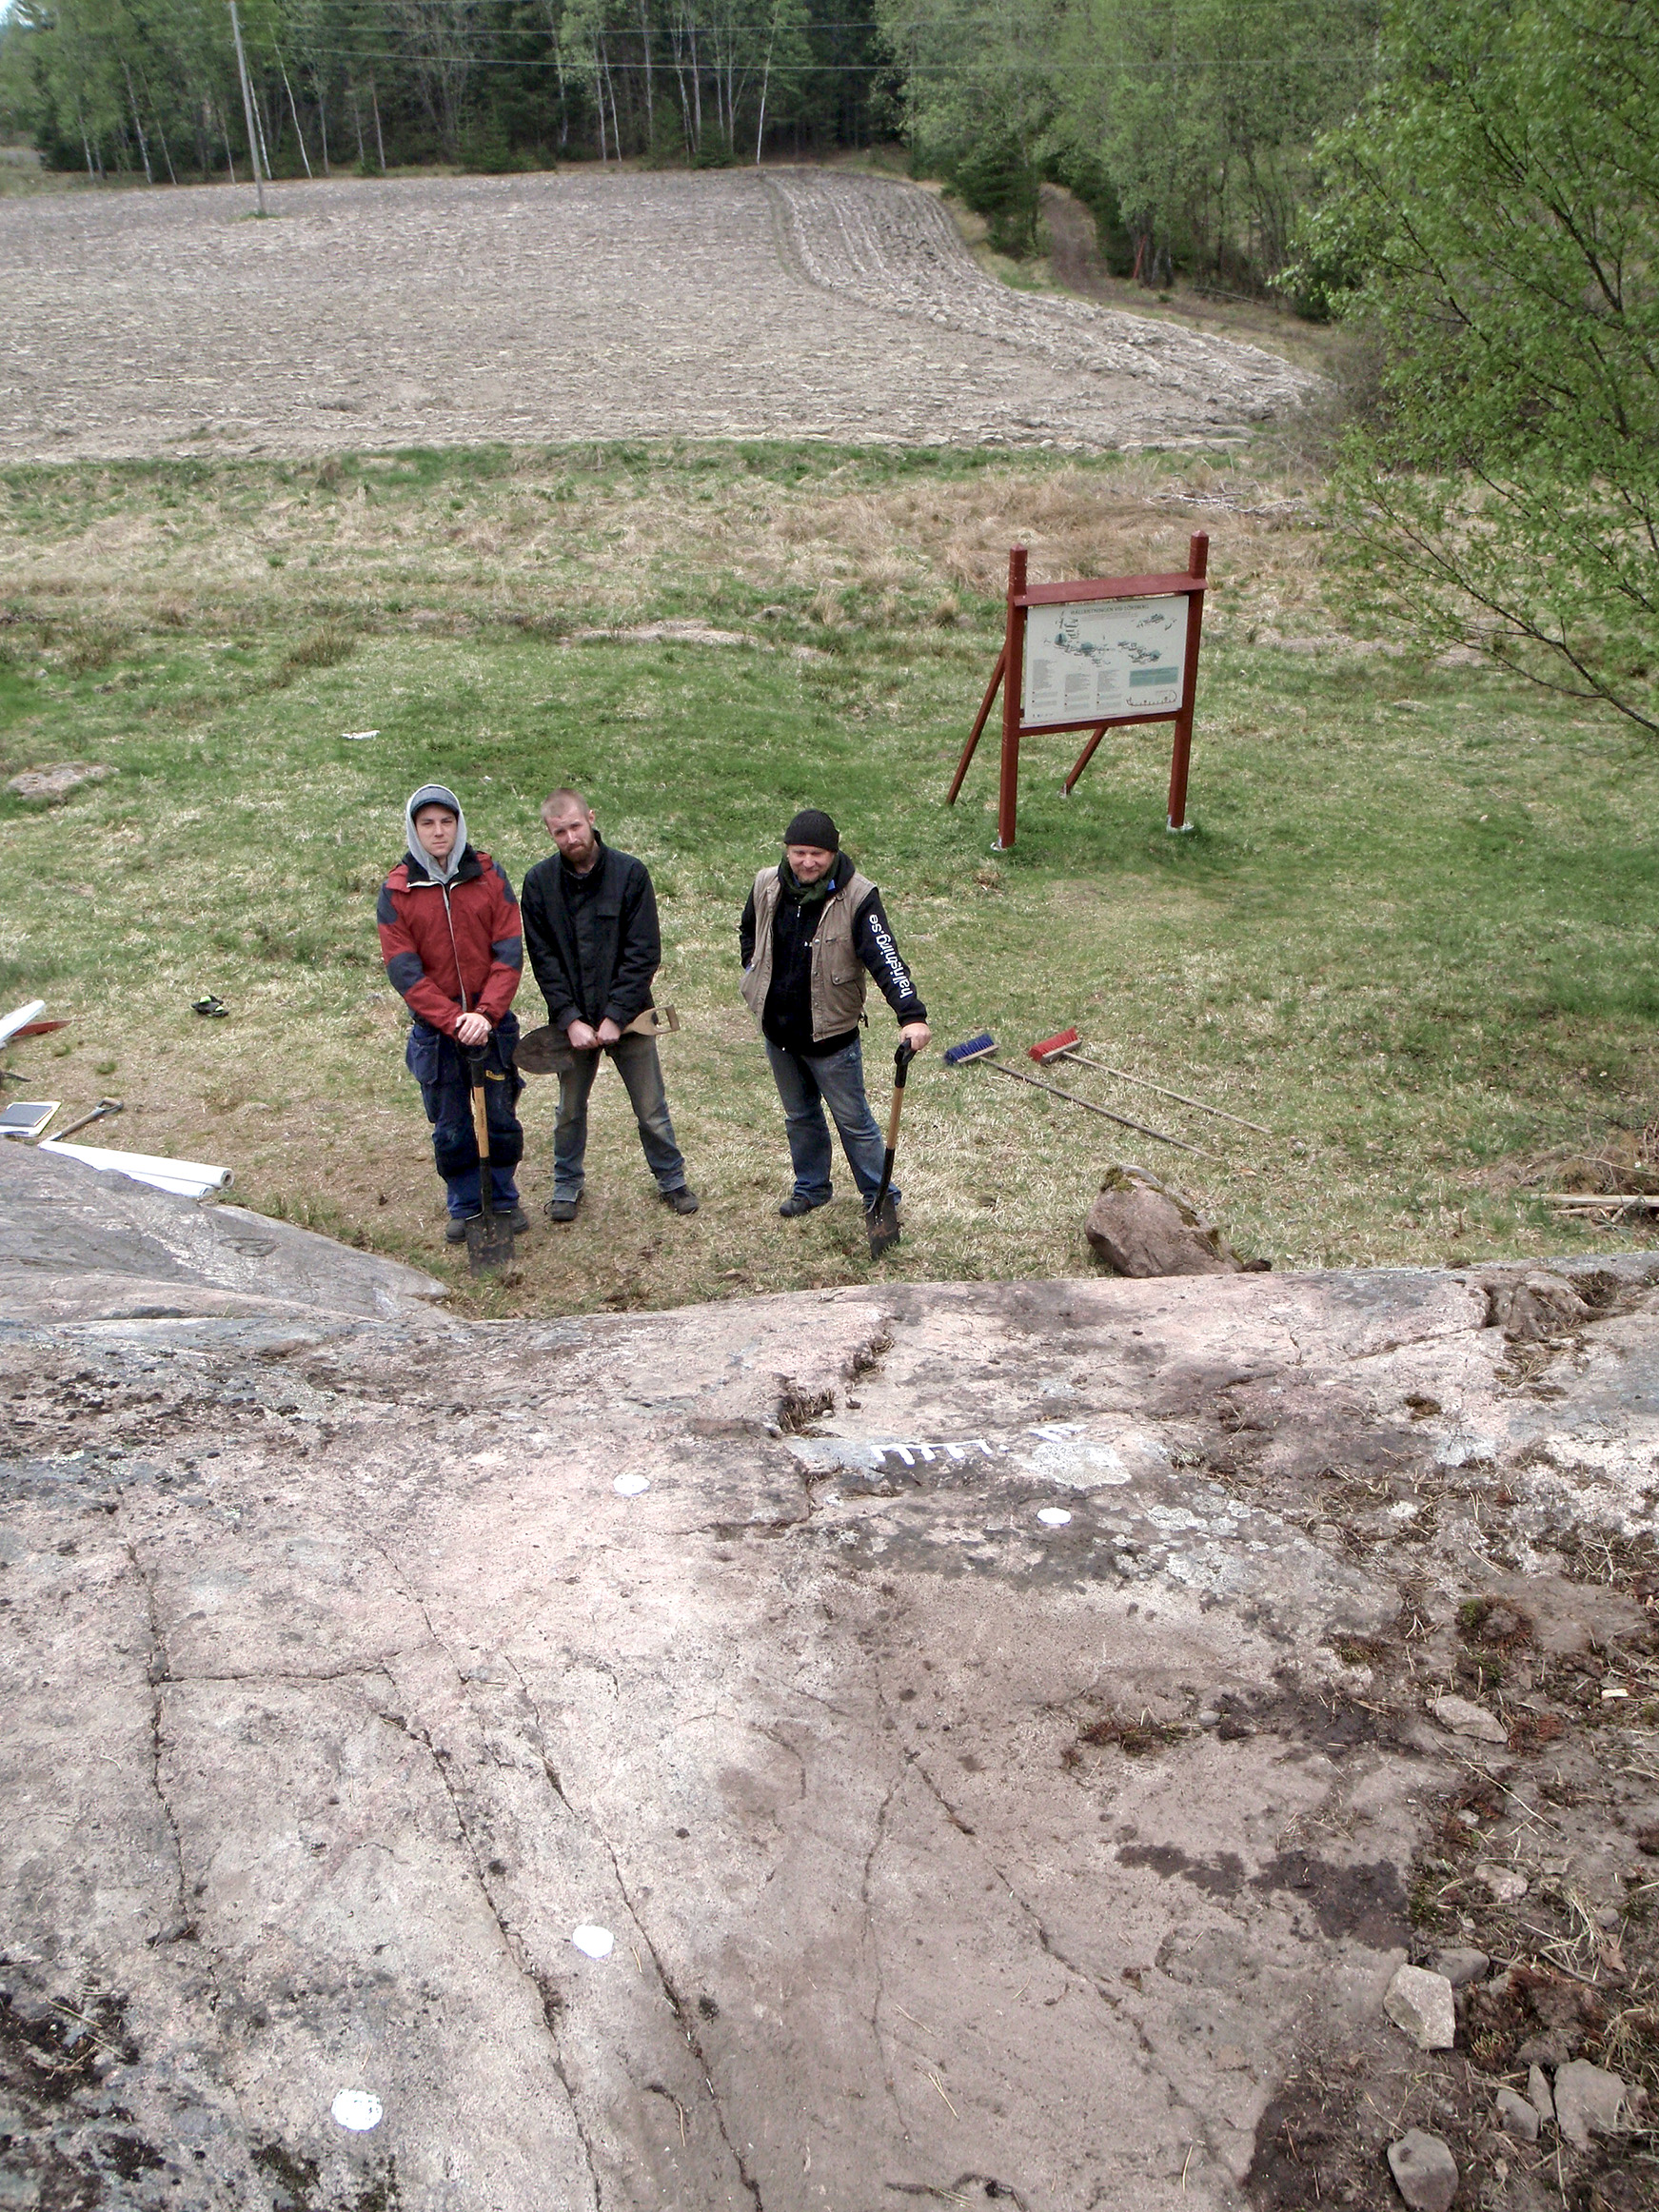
point(435, 795)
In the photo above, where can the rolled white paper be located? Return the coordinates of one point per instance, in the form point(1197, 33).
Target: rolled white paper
point(187, 1177)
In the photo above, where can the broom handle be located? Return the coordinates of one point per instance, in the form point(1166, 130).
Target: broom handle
point(1018, 1075)
point(1180, 1097)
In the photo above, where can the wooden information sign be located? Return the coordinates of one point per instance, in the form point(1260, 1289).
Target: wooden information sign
point(1094, 655)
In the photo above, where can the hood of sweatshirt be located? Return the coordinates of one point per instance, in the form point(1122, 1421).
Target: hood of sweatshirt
point(435, 795)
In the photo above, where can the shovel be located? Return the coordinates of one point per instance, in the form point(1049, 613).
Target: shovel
point(489, 1234)
point(883, 1213)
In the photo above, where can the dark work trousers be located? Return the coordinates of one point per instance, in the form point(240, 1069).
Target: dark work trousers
point(806, 1084)
point(442, 1069)
point(641, 1071)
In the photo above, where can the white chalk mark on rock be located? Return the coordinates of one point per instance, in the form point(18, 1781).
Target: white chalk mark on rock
point(358, 2109)
point(631, 1486)
point(1053, 1516)
point(595, 1943)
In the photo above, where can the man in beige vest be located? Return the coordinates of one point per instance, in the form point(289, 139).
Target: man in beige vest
point(811, 932)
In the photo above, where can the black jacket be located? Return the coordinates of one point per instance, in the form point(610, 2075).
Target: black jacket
point(593, 941)
point(787, 1020)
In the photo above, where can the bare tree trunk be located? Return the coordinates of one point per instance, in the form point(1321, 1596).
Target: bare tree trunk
point(696, 92)
point(138, 124)
point(645, 42)
point(610, 87)
point(357, 119)
point(247, 111)
point(86, 147)
point(379, 141)
point(155, 118)
point(293, 110)
point(765, 80)
point(321, 90)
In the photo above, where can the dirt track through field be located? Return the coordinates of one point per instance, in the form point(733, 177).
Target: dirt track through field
point(581, 304)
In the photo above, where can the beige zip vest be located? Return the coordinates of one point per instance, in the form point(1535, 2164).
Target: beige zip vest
point(837, 974)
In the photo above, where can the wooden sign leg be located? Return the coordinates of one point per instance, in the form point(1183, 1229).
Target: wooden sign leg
point(1013, 674)
point(979, 721)
point(1085, 755)
point(1198, 564)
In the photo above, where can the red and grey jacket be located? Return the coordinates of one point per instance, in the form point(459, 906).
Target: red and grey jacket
point(451, 948)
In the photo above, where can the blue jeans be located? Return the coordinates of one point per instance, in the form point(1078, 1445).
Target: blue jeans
point(441, 1068)
point(641, 1072)
point(806, 1087)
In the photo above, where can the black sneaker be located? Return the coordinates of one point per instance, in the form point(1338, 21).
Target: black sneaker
point(519, 1221)
point(454, 1231)
point(680, 1201)
point(794, 1206)
point(562, 1210)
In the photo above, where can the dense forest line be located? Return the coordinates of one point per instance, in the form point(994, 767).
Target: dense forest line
point(1187, 126)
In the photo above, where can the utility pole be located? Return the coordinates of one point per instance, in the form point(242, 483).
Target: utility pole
point(248, 109)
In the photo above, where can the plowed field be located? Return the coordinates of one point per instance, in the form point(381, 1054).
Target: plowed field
point(581, 304)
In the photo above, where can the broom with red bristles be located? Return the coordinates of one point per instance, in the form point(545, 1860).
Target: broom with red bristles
point(1063, 1044)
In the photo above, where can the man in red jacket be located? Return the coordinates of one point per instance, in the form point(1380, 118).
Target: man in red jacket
point(450, 938)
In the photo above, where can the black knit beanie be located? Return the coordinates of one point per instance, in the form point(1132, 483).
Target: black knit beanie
point(812, 826)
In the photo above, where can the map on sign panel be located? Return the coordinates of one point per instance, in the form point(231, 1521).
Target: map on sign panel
point(1090, 660)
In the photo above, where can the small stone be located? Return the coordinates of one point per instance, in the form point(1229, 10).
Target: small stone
point(1505, 1883)
point(1539, 2092)
point(1424, 2169)
point(1420, 2004)
point(1517, 2116)
point(58, 781)
point(1543, 2050)
point(1462, 1966)
point(1587, 2102)
point(1465, 1718)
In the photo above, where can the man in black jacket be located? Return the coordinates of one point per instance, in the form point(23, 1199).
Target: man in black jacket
point(590, 929)
point(811, 931)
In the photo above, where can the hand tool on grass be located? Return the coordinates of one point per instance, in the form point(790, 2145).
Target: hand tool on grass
point(980, 1047)
point(1063, 1044)
point(883, 1217)
point(102, 1107)
point(489, 1234)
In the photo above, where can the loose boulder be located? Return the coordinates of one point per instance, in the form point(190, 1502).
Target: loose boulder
point(1587, 2102)
point(1462, 1965)
point(1533, 1304)
point(1424, 2169)
point(1539, 2092)
point(1140, 1227)
point(1421, 2005)
point(58, 781)
point(1465, 1718)
point(1517, 2116)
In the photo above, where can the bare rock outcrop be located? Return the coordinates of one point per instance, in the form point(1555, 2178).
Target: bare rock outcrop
point(936, 1740)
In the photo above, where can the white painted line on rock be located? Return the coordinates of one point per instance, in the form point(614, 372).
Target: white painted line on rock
point(358, 2109)
point(594, 1943)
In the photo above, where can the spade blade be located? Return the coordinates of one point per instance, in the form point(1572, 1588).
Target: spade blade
point(489, 1243)
point(884, 1226)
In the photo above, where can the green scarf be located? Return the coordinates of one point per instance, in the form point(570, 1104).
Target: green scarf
point(809, 893)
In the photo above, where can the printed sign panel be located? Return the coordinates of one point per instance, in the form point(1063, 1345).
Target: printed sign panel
point(1090, 660)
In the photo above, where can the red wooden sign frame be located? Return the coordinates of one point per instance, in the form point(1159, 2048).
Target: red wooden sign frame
point(1009, 672)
